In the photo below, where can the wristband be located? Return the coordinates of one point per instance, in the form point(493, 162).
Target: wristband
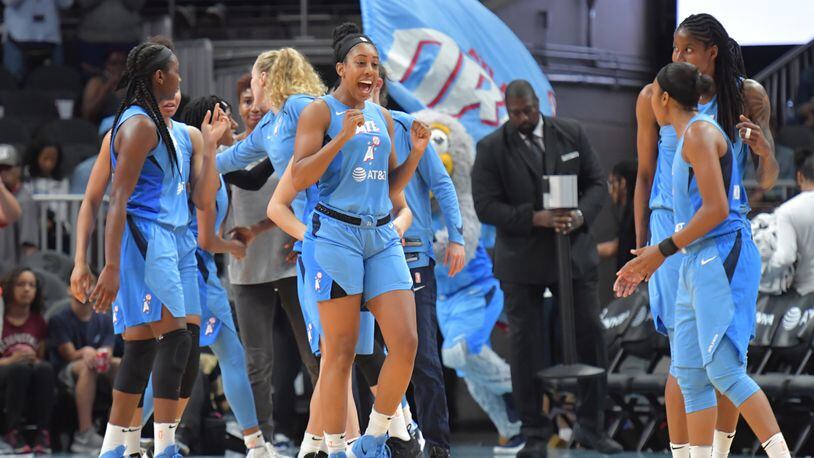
point(668, 247)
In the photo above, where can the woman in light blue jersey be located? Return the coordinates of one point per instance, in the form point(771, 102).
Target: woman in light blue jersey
point(344, 142)
point(737, 104)
point(719, 274)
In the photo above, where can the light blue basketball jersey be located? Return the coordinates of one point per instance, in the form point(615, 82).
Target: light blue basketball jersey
point(686, 196)
point(160, 193)
point(221, 206)
point(355, 181)
point(661, 195)
point(283, 133)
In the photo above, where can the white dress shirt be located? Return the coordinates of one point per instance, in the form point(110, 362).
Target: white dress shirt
point(795, 240)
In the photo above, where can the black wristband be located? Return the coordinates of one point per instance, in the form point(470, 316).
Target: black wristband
point(668, 247)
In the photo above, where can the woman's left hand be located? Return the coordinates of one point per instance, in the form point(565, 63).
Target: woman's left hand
point(755, 139)
point(637, 270)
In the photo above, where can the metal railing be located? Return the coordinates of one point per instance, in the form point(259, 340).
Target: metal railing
point(65, 229)
point(782, 78)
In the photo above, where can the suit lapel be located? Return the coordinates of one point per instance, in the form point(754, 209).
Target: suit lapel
point(552, 148)
point(529, 156)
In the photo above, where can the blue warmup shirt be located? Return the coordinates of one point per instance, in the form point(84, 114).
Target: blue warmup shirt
point(356, 181)
point(274, 137)
point(661, 195)
point(430, 176)
point(183, 145)
point(686, 196)
point(160, 193)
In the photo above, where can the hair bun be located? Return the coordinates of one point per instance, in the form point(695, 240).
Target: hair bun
point(343, 30)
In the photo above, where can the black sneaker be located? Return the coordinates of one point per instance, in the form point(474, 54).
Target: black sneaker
point(319, 454)
point(42, 442)
point(15, 440)
point(404, 449)
point(438, 452)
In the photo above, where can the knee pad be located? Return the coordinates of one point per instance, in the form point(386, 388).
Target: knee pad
point(454, 356)
point(193, 361)
point(170, 362)
point(732, 382)
point(696, 388)
point(371, 365)
point(134, 369)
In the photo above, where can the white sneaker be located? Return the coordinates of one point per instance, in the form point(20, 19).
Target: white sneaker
point(88, 442)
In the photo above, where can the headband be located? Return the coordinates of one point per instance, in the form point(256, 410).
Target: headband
point(347, 43)
point(158, 61)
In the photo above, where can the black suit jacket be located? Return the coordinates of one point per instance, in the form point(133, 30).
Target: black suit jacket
point(507, 187)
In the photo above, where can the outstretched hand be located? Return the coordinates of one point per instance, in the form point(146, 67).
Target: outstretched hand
point(637, 270)
point(214, 125)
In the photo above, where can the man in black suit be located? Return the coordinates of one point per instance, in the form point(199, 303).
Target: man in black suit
point(507, 185)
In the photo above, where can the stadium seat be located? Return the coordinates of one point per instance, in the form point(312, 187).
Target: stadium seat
point(61, 81)
point(53, 262)
point(30, 107)
point(795, 136)
point(7, 81)
point(14, 133)
point(53, 288)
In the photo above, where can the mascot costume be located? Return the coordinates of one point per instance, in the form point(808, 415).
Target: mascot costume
point(470, 303)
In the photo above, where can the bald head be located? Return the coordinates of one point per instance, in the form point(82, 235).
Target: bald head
point(522, 106)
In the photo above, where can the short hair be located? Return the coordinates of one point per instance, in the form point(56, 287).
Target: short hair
point(520, 89)
point(245, 82)
point(804, 163)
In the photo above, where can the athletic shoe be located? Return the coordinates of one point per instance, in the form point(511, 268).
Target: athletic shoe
point(319, 454)
point(512, 446)
point(437, 451)
point(283, 445)
point(600, 442)
point(404, 449)
point(117, 452)
point(88, 442)
point(42, 442)
point(414, 431)
point(15, 440)
point(369, 446)
point(169, 452)
point(5, 449)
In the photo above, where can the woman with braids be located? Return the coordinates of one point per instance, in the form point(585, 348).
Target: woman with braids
point(344, 142)
point(741, 108)
point(720, 271)
point(146, 225)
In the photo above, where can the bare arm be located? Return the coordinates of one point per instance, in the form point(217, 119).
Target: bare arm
point(279, 208)
point(608, 249)
point(10, 210)
point(647, 137)
point(761, 142)
point(400, 175)
point(135, 138)
point(204, 174)
point(311, 157)
point(93, 98)
point(404, 216)
point(86, 219)
point(211, 241)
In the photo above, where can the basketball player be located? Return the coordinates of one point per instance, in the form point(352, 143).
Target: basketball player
point(720, 273)
point(702, 41)
point(146, 218)
point(344, 142)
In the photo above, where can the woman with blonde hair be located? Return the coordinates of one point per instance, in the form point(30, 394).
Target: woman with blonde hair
point(283, 82)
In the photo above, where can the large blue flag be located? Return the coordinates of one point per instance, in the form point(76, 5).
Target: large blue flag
point(454, 56)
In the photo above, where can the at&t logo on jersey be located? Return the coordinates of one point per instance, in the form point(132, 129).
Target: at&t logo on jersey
point(360, 174)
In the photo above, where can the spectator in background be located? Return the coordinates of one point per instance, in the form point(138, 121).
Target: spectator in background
point(107, 26)
point(100, 98)
point(621, 183)
point(250, 113)
point(795, 227)
point(81, 344)
point(26, 378)
point(10, 210)
point(18, 238)
point(43, 176)
point(32, 33)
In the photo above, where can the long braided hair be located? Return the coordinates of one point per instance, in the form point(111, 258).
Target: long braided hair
point(142, 62)
point(729, 68)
